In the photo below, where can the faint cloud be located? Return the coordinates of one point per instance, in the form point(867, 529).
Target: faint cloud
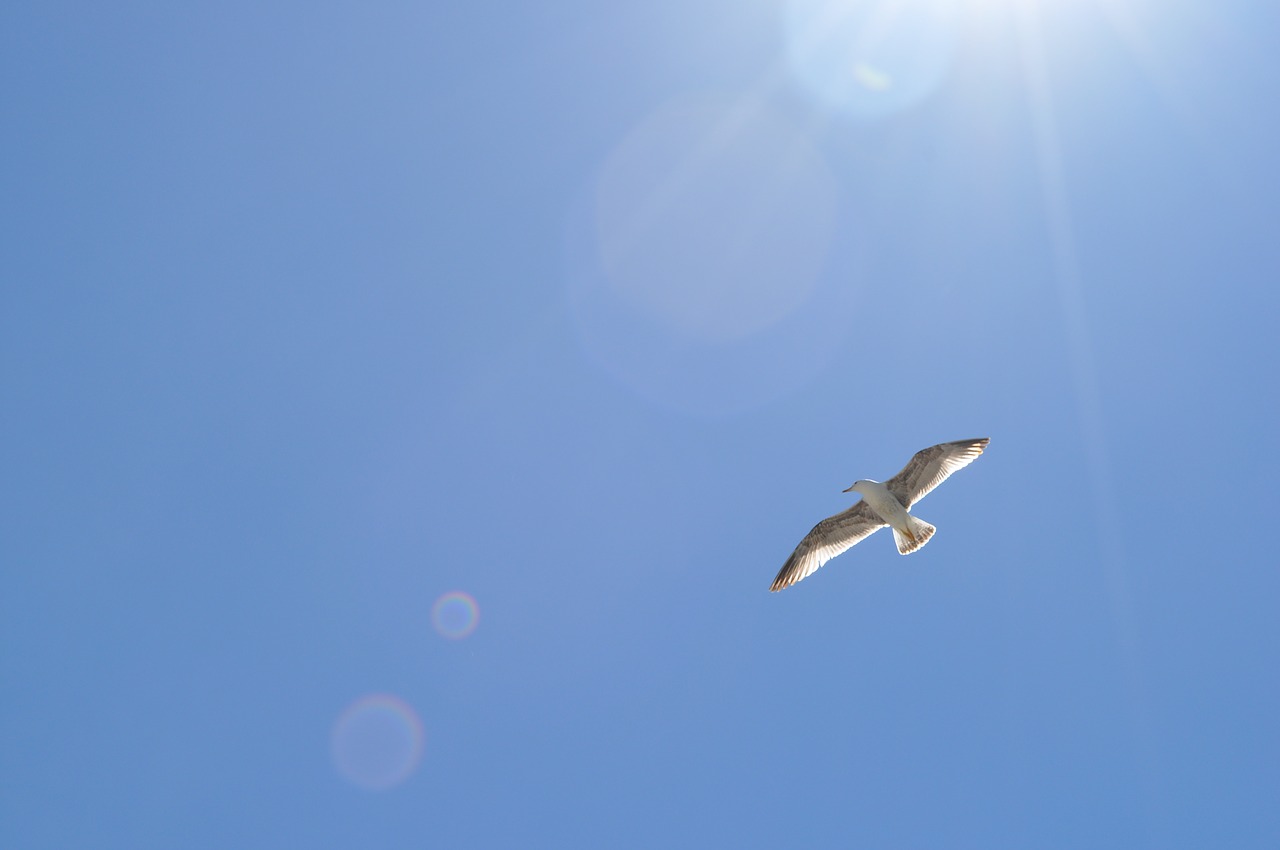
point(377, 742)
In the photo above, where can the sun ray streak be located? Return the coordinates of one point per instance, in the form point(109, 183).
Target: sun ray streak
point(1067, 279)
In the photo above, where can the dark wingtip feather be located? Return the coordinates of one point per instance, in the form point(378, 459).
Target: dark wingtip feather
point(783, 579)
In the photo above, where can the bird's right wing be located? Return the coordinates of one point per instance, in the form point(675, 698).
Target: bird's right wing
point(829, 538)
point(930, 467)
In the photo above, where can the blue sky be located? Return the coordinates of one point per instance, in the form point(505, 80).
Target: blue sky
point(312, 314)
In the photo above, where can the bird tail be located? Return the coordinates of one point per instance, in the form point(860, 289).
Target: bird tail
point(917, 534)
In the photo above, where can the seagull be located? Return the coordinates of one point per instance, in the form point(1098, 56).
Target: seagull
point(881, 505)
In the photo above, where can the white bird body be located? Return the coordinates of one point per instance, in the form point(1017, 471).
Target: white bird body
point(909, 533)
point(886, 506)
point(881, 504)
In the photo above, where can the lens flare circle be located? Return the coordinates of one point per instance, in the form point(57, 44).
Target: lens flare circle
point(377, 742)
point(697, 260)
point(455, 615)
point(871, 58)
point(713, 217)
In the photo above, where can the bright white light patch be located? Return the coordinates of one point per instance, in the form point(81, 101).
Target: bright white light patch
point(872, 78)
point(870, 58)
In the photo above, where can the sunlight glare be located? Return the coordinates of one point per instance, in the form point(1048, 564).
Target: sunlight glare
point(870, 58)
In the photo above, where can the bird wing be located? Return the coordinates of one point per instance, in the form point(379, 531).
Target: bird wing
point(930, 467)
point(829, 538)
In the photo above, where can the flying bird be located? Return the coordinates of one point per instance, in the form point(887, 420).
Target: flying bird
point(881, 505)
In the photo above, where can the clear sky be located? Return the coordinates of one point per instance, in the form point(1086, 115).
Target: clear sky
point(314, 314)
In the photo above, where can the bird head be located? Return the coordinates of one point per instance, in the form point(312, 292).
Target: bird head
point(856, 486)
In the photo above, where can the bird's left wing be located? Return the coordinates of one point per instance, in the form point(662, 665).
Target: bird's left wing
point(828, 538)
point(930, 467)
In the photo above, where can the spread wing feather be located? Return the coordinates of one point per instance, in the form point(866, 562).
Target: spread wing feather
point(828, 538)
point(930, 467)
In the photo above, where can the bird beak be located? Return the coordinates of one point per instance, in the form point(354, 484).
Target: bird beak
point(847, 489)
